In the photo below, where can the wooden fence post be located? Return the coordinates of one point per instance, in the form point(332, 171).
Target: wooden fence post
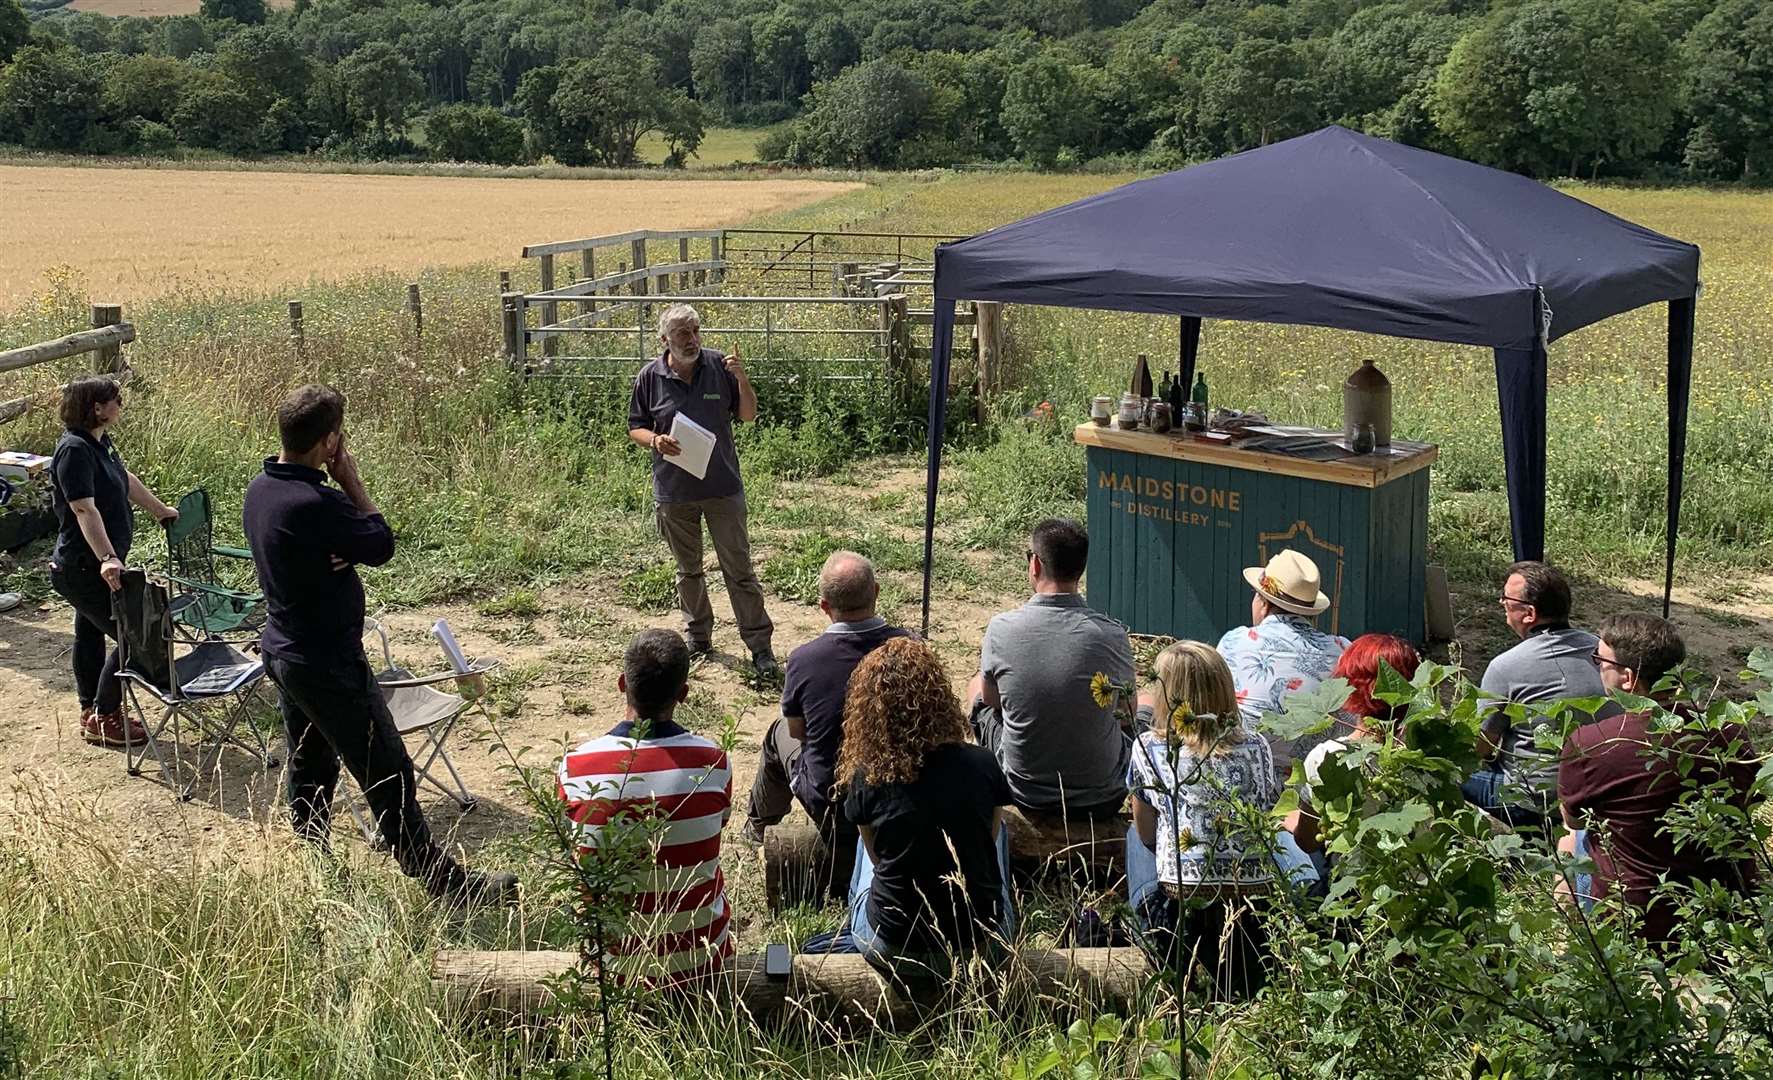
point(550, 310)
point(109, 359)
point(504, 282)
point(639, 255)
point(511, 320)
point(683, 282)
point(715, 243)
point(417, 307)
point(297, 341)
point(988, 329)
point(588, 268)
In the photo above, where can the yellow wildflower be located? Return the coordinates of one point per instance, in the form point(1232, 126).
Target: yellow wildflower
point(1102, 690)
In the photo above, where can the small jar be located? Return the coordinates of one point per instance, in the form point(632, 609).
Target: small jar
point(1100, 409)
point(1194, 416)
point(1365, 439)
point(1160, 417)
point(1132, 411)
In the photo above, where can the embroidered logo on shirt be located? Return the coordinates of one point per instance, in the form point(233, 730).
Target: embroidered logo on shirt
point(710, 397)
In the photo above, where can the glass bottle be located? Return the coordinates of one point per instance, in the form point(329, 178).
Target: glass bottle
point(1199, 395)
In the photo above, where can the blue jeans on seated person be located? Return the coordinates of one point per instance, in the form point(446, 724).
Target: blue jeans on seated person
point(860, 936)
point(1488, 790)
point(1582, 884)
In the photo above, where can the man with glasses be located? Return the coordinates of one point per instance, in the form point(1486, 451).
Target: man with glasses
point(1033, 707)
point(1618, 781)
point(1553, 662)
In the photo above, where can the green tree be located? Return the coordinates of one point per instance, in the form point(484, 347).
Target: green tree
point(1049, 105)
point(282, 127)
point(861, 118)
point(1729, 89)
point(473, 133)
point(216, 113)
point(51, 100)
point(1555, 85)
point(267, 61)
point(145, 86)
point(245, 12)
point(1259, 92)
point(380, 87)
point(184, 36)
point(15, 29)
point(1380, 68)
point(780, 45)
point(720, 64)
point(615, 99)
point(550, 134)
point(831, 46)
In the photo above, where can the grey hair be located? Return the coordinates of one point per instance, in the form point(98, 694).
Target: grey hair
point(846, 581)
point(677, 315)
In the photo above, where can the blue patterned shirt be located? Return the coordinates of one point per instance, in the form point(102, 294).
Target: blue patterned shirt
point(1278, 656)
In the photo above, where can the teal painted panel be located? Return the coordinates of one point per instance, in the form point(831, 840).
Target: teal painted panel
point(1169, 540)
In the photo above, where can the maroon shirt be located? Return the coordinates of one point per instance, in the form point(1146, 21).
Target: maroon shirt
point(1615, 778)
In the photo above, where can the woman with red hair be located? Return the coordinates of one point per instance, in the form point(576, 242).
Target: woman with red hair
point(1362, 716)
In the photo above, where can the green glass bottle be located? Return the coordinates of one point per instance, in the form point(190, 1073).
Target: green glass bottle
point(1199, 394)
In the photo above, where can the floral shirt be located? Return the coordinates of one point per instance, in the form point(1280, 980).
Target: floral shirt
point(1268, 661)
point(1197, 812)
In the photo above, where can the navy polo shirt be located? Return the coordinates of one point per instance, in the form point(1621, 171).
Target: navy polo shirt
point(295, 523)
point(711, 399)
point(87, 468)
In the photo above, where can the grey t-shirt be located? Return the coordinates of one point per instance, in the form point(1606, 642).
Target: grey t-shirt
point(1058, 747)
point(1551, 665)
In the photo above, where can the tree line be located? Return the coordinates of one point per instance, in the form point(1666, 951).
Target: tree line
point(1661, 89)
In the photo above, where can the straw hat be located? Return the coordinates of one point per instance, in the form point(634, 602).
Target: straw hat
point(1288, 578)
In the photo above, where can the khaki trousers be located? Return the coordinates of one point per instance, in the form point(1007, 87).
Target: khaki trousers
point(680, 523)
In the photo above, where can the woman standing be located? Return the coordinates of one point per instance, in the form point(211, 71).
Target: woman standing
point(931, 878)
point(1192, 862)
point(92, 496)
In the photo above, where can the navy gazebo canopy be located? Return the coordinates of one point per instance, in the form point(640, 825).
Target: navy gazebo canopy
point(1346, 230)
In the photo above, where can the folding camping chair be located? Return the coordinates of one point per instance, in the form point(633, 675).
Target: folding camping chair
point(210, 688)
point(202, 601)
point(420, 708)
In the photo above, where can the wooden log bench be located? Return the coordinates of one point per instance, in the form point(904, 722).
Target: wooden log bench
point(797, 868)
point(513, 987)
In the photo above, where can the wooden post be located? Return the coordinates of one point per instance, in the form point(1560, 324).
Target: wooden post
point(588, 269)
point(550, 310)
point(109, 359)
point(504, 282)
point(683, 282)
point(297, 340)
point(988, 332)
point(638, 253)
point(714, 248)
point(416, 306)
point(511, 320)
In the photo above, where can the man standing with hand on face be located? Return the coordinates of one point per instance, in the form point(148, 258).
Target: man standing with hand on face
point(712, 390)
point(307, 540)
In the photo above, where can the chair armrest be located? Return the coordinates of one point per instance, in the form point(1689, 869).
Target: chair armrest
point(233, 552)
point(216, 590)
point(475, 667)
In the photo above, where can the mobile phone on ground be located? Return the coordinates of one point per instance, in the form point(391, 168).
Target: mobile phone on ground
point(777, 961)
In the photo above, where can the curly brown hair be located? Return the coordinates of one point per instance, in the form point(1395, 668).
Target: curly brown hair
point(899, 707)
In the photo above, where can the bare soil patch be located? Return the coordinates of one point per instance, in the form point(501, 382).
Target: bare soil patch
point(208, 231)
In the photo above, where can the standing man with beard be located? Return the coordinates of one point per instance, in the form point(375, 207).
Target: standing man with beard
point(712, 390)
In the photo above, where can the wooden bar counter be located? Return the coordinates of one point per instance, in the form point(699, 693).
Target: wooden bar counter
point(1174, 520)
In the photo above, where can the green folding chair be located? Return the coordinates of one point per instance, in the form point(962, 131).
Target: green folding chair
point(207, 600)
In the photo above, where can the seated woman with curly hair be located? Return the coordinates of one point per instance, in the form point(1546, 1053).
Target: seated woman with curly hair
point(931, 878)
point(1362, 716)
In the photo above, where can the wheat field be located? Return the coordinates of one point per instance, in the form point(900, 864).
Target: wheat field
point(130, 234)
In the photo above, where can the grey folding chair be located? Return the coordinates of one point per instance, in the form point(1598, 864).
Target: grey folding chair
point(210, 688)
point(421, 708)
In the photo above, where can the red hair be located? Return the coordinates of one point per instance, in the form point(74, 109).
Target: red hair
point(1360, 666)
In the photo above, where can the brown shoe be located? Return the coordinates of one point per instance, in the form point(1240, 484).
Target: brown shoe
point(112, 729)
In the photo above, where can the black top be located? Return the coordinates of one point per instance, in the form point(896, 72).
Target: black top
point(813, 688)
point(87, 468)
point(711, 399)
point(295, 523)
point(919, 830)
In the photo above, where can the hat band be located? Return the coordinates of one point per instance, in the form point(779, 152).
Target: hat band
point(1273, 588)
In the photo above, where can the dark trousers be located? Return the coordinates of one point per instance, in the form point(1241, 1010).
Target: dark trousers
point(772, 798)
point(335, 714)
point(95, 667)
point(1224, 937)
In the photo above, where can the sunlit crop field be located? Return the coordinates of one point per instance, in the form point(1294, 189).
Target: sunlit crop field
point(134, 233)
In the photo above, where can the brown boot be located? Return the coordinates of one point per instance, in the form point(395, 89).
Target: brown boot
point(112, 729)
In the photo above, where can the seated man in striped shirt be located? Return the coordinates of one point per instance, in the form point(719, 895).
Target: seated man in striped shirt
point(650, 782)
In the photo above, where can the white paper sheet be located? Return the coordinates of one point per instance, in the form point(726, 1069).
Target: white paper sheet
point(696, 443)
point(457, 659)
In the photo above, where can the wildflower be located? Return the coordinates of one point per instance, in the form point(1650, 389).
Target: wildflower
point(1182, 718)
point(1101, 690)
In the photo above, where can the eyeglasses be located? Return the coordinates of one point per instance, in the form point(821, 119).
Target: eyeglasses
point(1506, 600)
point(1030, 554)
point(1598, 660)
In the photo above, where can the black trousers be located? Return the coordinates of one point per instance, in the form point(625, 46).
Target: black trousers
point(95, 668)
point(335, 714)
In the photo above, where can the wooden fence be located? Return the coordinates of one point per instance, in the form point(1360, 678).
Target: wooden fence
point(105, 341)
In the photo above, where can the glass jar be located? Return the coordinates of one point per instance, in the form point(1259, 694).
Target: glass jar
point(1100, 409)
point(1132, 411)
point(1160, 417)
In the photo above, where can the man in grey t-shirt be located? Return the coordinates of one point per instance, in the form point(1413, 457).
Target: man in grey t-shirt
point(1553, 662)
point(1032, 702)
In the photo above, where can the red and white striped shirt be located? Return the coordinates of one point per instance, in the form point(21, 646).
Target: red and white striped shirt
point(679, 926)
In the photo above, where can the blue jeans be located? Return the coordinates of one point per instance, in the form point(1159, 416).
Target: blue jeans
point(1486, 788)
point(1583, 884)
point(866, 938)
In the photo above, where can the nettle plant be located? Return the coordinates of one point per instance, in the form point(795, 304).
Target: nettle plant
point(1442, 945)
